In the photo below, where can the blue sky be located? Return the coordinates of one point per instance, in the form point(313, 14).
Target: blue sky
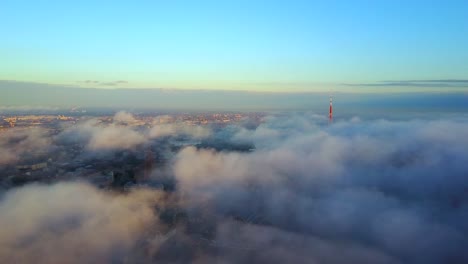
point(236, 45)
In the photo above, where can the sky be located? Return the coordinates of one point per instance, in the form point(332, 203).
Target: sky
point(275, 46)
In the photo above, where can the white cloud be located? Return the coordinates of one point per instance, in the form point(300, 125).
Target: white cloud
point(72, 223)
point(15, 143)
point(391, 185)
point(124, 117)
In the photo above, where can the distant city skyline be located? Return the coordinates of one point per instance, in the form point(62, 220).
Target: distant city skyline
point(263, 46)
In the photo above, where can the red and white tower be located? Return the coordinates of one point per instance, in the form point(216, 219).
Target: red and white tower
point(330, 113)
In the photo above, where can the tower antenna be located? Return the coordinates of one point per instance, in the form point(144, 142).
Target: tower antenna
point(330, 113)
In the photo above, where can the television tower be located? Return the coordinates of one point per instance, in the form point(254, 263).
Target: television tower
point(330, 113)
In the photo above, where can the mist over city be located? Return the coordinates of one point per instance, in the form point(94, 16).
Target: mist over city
point(233, 187)
point(233, 132)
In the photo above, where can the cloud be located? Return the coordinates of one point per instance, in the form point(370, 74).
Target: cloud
point(440, 83)
point(437, 81)
point(358, 191)
point(90, 82)
point(100, 83)
point(62, 96)
point(276, 128)
point(26, 108)
point(124, 117)
point(17, 142)
point(115, 137)
point(73, 223)
point(100, 136)
point(242, 243)
point(113, 83)
point(396, 189)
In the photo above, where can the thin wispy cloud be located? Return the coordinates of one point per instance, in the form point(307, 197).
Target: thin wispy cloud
point(89, 82)
point(438, 83)
point(100, 83)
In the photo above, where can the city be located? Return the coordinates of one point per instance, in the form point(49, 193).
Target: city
point(63, 159)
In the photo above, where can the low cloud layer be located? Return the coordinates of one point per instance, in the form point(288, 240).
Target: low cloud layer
point(355, 191)
point(124, 117)
point(18, 143)
point(444, 83)
point(118, 136)
point(14, 94)
point(123, 132)
point(73, 223)
point(104, 136)
point(397, 189)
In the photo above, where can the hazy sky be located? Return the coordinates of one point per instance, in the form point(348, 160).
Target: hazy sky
point(242, 45)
